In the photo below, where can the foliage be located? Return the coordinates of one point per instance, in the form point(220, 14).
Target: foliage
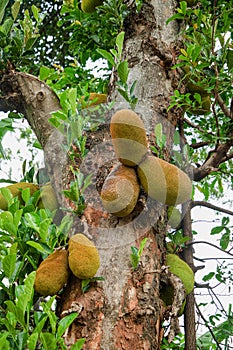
point(27, 236)
point(56, 40)
point(136, 254)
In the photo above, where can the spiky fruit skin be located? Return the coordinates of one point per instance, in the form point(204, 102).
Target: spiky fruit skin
point(15, 190)
point(120, 191)
point(174, 217)
point(52, 274)
point(164, 182)
point(84, 260)
point(182, 270)
point(47, 198)
point(129, 137)
point(89, 6)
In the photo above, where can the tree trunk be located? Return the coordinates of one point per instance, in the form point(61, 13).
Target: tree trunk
point(124, 311)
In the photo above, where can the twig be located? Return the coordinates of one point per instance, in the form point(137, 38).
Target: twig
point(198, 127)
point(211, 244)
point(210, 206)
point(207, 325)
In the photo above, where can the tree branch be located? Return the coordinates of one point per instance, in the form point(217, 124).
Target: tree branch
point(194, 204)
point(211, 244)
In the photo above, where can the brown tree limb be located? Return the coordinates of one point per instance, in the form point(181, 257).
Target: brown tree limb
point(194, 204)
point(189, 314)
point(199, 144)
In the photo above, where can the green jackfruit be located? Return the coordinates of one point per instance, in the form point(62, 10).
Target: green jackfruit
point(47, 198)
point(182, 270)
point(94, 99)
point(164, 182)
point(204, 108)
point(120, 191)
point(89, 6)
point(174, 217)
point(83, 257)
point(129, 137)
point(15, 190)
point(52, 274)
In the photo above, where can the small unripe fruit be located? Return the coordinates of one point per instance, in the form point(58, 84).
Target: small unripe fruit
point(129, 137)
point(174, 217)
point(120, 191)
point(52, 274)
point(83, 258)
point(47, 198)
point(182, 270)
point(89, 6)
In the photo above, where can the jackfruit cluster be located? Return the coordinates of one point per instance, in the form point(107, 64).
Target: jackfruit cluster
point(161, 180)
point(182, 270)
point(81, 258)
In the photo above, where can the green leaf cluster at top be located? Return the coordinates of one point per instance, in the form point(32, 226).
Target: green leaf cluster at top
point(207, 53)
point(91, 31)
point(18, 35)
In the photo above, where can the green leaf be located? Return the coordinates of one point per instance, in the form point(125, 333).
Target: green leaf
point(208, 277)
point(35, 12)
point(49, 341)
point(225, 240)
point(40, 247)
point(44, 73)
point(142, 246)
point(9, 264)
point(44, 229)
point(64, 323)
point(15, 9)
point(119, 43)
point(3, 4)
point(26, 194)
point(6, 26)
point(107, 56)
point(216, 230)
point(123, 71)
point(78, 345)
point(32, 341)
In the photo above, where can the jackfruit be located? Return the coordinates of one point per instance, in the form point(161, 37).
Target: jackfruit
point(120, 191)
point(95, 99)
point(204, 108)
point(128, 137)
point(83, 257)
point(89, 6)
point(52, 274)
point(15, 190)
point(174, 217)
point(47, 198)
point(182, 270)
point(164, 182)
